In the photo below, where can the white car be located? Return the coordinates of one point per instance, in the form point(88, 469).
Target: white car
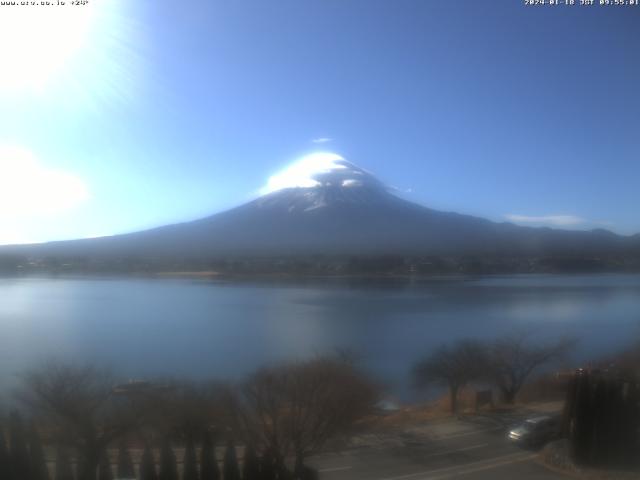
point(536, 431)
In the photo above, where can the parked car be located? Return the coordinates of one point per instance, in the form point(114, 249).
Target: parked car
point(536, 431)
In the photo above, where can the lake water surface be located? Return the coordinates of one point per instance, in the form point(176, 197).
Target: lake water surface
point(201, 328)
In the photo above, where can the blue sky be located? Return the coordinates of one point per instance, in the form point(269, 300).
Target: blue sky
point(125, 115)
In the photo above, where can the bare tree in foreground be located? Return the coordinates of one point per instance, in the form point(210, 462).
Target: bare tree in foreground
point(78, 405)
point(298, 408)
point(512, 358)
point(183, 409)
point(453, 367)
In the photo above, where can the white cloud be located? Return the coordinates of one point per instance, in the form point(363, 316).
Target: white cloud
point(302, 173)
point(555, 220)
point(322, 140)
point(30, 190)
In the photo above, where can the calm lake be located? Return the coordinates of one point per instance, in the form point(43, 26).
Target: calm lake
point(204, 328)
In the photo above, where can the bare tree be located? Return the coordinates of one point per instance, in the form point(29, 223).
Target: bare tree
point(453, 367)
point(79, 406)
point(185, 408)
point(297, 408)
point(513, 357)
point(327, 397)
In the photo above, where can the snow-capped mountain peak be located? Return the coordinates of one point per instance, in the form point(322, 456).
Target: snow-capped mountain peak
point(321, 169)
point(320, 180)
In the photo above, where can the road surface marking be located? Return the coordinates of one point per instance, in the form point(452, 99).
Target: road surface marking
point(455, 451)
point(483, 467)
point(464, 434)
point(335, 469)
point(448, 471)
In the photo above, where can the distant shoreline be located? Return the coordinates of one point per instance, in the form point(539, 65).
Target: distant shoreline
point(322, 266)
point(287, 278)
point(188, 274)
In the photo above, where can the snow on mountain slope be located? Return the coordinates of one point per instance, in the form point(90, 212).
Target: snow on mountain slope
point(321, 169)
point(319, 180)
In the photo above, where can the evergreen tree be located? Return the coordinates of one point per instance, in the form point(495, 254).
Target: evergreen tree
point(569, 411)
point(602, 418)
point(37, 461)
point(230, 466)
point(251, 470)
point(282, 472)
point(582, 419)
point(104, 467)
point(19, 453)
point(148, 465)
point(208, 462)
point(4, 458)
point(599, 447)
point(125, 463)
point(190, 461)
point(63, 469)
point(618, 435)
point(168, 464)
point(83, 468)
point(298, 468)
point(268, 466)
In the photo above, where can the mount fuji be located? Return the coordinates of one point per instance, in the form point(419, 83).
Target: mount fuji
point(325, 205)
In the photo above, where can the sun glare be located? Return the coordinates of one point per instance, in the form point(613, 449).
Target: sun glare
point(37, 41)
point(301, 173)
point(28, 188)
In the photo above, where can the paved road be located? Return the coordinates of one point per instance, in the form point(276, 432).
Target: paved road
point(473, 448)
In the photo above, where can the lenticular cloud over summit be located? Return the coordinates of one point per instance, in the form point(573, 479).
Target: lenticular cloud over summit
point(322, 169)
